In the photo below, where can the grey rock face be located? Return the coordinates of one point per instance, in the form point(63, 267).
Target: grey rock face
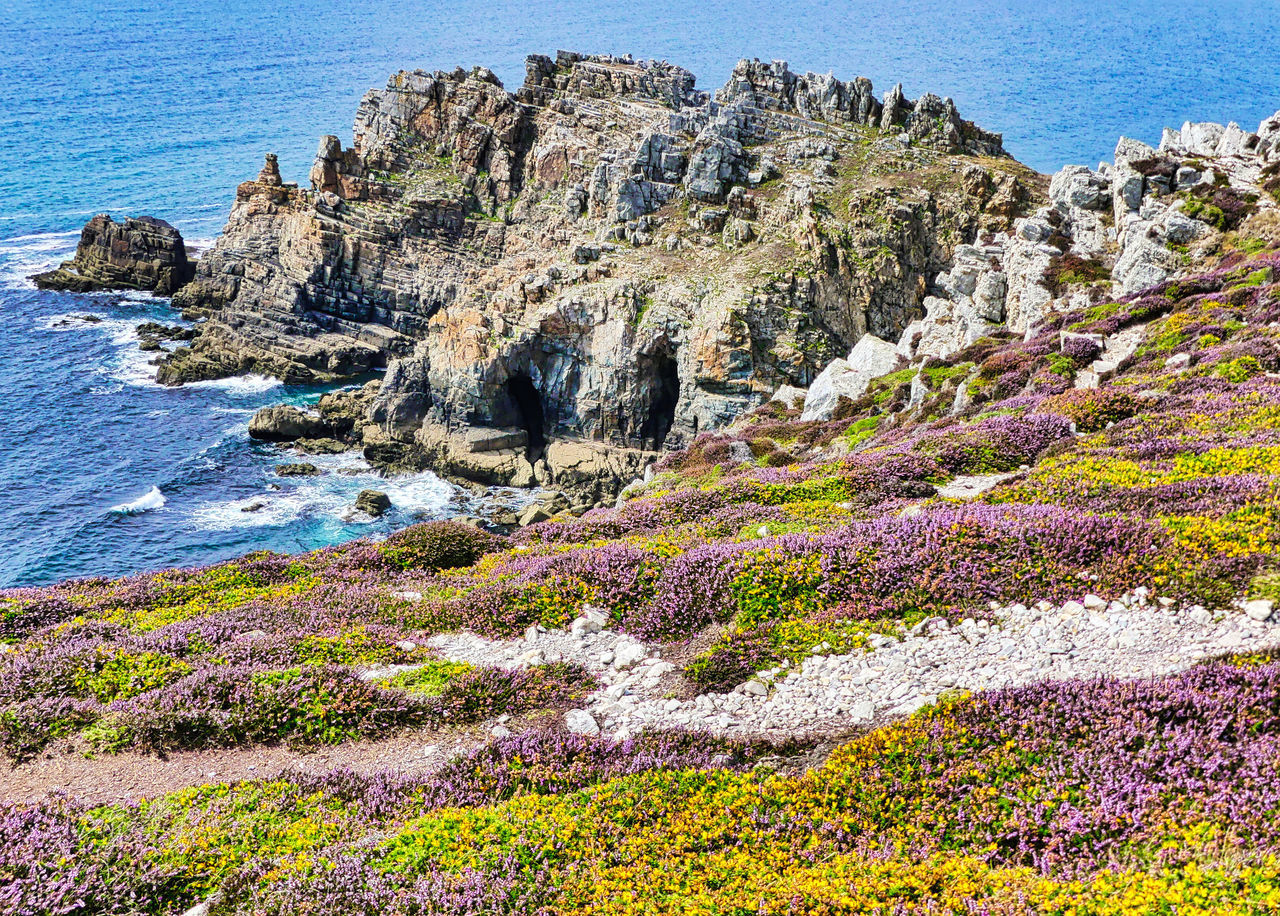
point(1144, 262)
point(283, 423)
point(140, 253)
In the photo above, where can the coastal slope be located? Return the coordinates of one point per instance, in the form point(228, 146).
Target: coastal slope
point(980, 618)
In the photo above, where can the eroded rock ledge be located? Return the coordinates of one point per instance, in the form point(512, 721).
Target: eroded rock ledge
point(142, 253)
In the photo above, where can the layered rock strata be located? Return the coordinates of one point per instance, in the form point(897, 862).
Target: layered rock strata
point(564, 280)
point(141, 253)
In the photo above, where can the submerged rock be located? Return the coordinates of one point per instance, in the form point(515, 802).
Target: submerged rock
point(373, 502)
point(142, 253)
point(298, 469)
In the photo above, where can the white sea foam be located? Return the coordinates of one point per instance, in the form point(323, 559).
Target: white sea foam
point(198, 246)
point(24, 255)
point(152, 499)
point(72, 321)
point(328, 497)
point(130, 365)
point(240, 384)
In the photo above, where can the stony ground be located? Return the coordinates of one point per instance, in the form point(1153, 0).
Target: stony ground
point(1132, 637)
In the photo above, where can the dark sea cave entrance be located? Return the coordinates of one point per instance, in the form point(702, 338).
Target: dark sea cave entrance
point(665, 394)
point(528, 401)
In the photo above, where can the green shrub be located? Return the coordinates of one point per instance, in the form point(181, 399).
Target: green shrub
point(438, 545)
point(430, 679)
point(1091, 409)
point(113, 674)
point(1238, 370)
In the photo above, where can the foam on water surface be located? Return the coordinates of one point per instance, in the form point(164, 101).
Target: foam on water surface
point(152, 499)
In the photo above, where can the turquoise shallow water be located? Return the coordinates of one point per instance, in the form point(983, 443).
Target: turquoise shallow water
point(163, 107)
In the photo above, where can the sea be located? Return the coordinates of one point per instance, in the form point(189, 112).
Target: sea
point(162, 107)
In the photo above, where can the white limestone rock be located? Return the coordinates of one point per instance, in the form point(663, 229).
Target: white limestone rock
point(1201, 139)
point(790, 396)
point(1078, 186)
point(870, 358)
point(1144, 260)
point(581, 722)
point(1259, 609)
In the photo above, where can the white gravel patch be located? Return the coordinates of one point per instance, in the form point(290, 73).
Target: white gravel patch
point(1130, 638)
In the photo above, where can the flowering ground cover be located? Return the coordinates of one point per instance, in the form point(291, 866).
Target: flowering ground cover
point(1105, 797)
point(778, 538)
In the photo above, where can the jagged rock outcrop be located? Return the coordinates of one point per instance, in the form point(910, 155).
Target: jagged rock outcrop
point(336, 416)
point(1124, 227)
point(284, 423)
point(849, 378)
point(142, 253)
point(607, 261)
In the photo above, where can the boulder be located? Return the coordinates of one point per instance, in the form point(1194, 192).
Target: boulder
point(1259, 609)
point(581, 722)
point(1178, 229)
point(869, 359)
point(533, 514)
point(284, 423)
point(373, 502)
point(1079, 186)
point(789, 396)
point(140, 253)
point(299, 469)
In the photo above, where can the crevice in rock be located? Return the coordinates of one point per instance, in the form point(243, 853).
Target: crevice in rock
point(527, 399)
point(664, 390)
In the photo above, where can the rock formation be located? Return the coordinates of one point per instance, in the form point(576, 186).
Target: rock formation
point(1128, 225)
point(600, 265)
point(141, 253)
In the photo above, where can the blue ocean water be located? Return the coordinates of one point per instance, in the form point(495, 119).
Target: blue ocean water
point(163, 106)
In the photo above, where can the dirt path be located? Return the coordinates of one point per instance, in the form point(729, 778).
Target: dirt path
point(130, 776)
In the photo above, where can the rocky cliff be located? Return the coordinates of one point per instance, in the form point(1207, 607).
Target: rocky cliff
point(1154, 214)
point(562, 280)
point(140, 253)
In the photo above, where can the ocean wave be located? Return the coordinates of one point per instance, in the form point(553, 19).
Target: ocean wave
point(129, 366)
point(198, 246)
point(152, 499)
point(24, 255)
point(329, 498)
point(240, 384)
point(37, 241)
point(72, 321)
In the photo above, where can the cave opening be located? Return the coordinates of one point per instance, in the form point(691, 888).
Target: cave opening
point(528, 401)
point(664, 395)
